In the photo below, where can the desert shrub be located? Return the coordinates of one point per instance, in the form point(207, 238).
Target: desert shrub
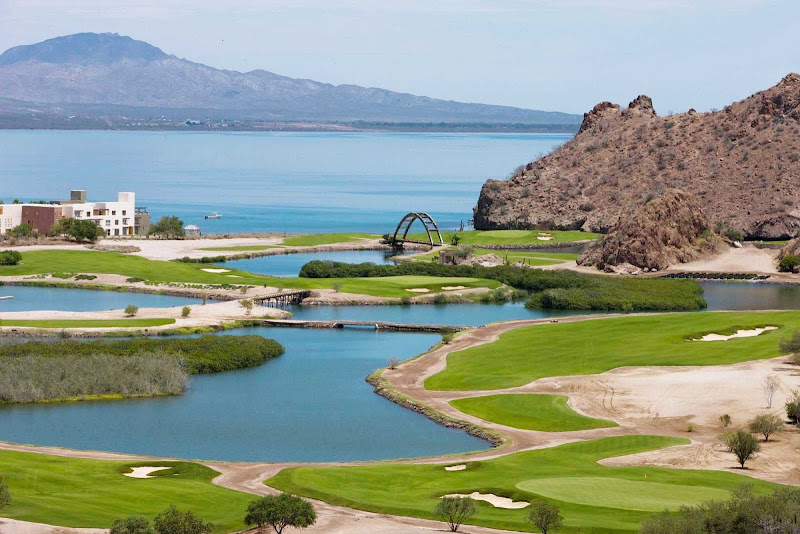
point(788, 263)
point(202, 355)
point(247, 306)
point(454, 511)
point(548, 289)
point(744, 512)
point(545, 516)
point(741, 443)
point(185, 311)
point(175, 521)
point(765, 424)
point(725, 419)
point(793, 407)
point(85, 277)
point(132, 525)
point(131, 310)
point(790, 344)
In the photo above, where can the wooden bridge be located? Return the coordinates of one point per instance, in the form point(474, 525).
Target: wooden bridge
point(377, 325)
point(282, 298)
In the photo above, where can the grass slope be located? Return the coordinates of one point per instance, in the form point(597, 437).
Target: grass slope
point(48, 261)
point(511, 237)
point(546, 413)
point(413, 490)
point(310, 240)
point(594, 346)
point(86, 323)
point(75, 492)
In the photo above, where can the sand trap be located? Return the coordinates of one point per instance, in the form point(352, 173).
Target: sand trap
point(418, 290)
point(453, 288)
point(216, 270)
point(544, 237)
point(455, 467)
point(494, 500)
point(144, 472)
point(233, 276)
point(739, 333)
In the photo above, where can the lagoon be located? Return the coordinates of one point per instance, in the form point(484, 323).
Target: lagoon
point(27, 298)
point(287, 265)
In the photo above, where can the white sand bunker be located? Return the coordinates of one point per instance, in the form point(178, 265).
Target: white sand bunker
point(144, 472)
point(738, 333)
point(544, 237)
point(233, 276)
point(453, 288)
point(216, 270)
point(494, 500)
point(455, 467)
point(418, 290)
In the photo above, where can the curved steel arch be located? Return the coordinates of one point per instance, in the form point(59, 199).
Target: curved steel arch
point(405, 225)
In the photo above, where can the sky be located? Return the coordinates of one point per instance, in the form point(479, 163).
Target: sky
point(561, 55)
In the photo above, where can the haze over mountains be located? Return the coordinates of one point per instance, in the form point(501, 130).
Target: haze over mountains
point(111, 75)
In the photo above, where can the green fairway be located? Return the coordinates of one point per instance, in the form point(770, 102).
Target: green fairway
point(48, 261)
point(310, 240)
point(621, 493)
point(75, 492)
point(413, 490)
point(594, 346)
point(547, 413)
point(511, 237)
point(86, 323)
point(528, 257)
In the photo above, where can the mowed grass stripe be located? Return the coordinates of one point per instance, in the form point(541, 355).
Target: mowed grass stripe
point(526, 354)
point(77, 492)
point(414, 490)
point(545, 413)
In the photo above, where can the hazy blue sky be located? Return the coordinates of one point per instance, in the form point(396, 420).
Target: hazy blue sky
point(545, 54)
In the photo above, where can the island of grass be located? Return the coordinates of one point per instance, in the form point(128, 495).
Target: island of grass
point(544, 413)
point(526, 354)
point(590, 496)
point(176, 272)
point(512, 237)
point(311, 240)
point(66, 370)
point(74, 492)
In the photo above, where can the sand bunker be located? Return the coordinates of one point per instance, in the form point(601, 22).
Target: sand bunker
point(544, 237)
point(455, 467)
point(453, 288)
point(144, 472)
point(418, 290)
point(739, 333)
point(494, 500)
point(216, 270)
point(233, 276)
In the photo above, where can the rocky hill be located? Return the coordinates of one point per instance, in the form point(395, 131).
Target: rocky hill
point(668, 229)
point(742, 163)
point(107, 73)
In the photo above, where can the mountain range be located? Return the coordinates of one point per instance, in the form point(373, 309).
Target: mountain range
point(111, 75)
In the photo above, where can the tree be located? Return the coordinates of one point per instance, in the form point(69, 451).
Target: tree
point(5, 493)
point(279, 512)
point(131, 310)
point(132, 525)
point(185, 311)
point(793, 407)
point(743, 444)
point(169, 227)
point(455, 239)
point(336, 286)
point(790, 344)
point(725, 419)
point(86, 230)
point(22, 230)
point(10, 257)
point(545, 516)
point(765, 424)
point(175, 521)
point(789, 263)
point(769, 386)
point(454, 511)
point(247, 304)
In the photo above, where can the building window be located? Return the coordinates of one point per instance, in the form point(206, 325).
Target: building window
point(116, 221)
point(113, 213)
point(124, 212)
point(108, 223)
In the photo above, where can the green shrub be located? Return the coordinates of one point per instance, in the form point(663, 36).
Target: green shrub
point(279, 512)
point(788, 263)
point(85, 277)
point(131, 310)
point(10, 257)
point(23, 230)
point(5, 493)
point(175, 521)
point(134, 279)
point(793, 407)
point(548, 289)
point(185, 311)
point(132, 525)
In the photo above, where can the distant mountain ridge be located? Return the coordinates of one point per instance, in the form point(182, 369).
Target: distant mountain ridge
point(90, 69)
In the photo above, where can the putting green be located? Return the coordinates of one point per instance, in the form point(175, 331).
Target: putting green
point(645, 496)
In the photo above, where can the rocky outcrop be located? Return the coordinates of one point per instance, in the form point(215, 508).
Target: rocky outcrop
point(792, 247)
point(742, 164)
point(668, 229)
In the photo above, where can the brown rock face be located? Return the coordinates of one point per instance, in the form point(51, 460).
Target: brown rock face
point(666, 230)
point(741, 163)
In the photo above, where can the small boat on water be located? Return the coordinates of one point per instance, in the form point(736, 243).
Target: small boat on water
point(7, 298)
point(214, 215)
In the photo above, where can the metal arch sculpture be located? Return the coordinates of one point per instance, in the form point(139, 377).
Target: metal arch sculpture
point(405, 225)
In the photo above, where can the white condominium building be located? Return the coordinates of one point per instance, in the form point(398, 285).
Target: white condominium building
point(115, 218)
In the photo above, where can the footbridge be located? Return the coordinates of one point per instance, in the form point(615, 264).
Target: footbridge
point(431, 229)
point(282, 298)
point(377, 325)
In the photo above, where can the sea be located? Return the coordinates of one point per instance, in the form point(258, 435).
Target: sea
point(285, 182)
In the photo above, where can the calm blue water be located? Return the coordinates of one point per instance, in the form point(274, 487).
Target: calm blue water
point(290, 264)
point(61, 299)
point(311, 404)
point(270, 181)
point(749, 296)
